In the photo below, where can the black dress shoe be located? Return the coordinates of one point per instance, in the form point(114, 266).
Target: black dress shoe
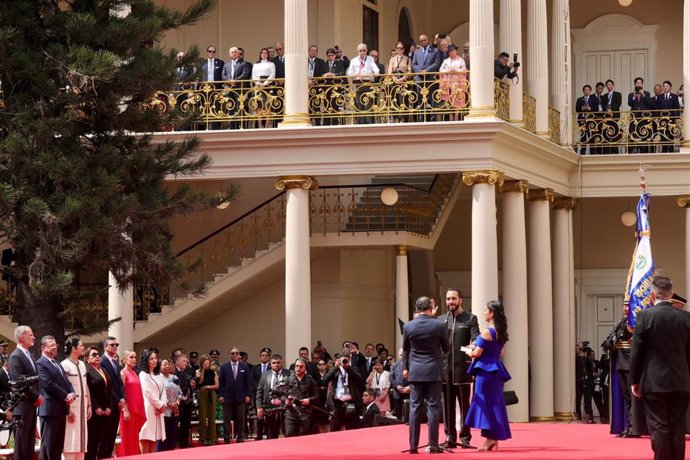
point(450, 444)
point(466, 445)
point(627, 434)
point(413, 451)
point(435, 450)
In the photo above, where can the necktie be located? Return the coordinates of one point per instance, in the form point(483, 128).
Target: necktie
point(31, 360)
point(424, 55)
point(330, 66)
point(275, 380)
point(668, 96)
point(234, 370)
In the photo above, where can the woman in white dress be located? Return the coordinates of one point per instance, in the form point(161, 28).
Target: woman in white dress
point(155, 402)
point(380, 381)
point(263, 74)
point(80, 409)
point(454, 82)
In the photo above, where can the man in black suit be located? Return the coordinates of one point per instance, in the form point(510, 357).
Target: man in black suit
point(331, 86)
point(641, 129)
point(503, 68)
point(463, 330)
point(22, 365)
point(585, 106)
point(235, 73)
point(669, 105)
point(400, 388)
point(425, 341)
point(211, 68)
point(358, 361)
point(611, 102)
point(371, 410)
point(186, 379)
point(276, 376)
point(59, 394)
point(255, 374)
point(369, 356)
point(111, 366)
point(233, 394)
point(346, 394)
point(660, 370)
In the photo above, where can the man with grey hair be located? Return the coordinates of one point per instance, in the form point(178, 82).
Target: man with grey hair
point(660, 370)
point(425, 341)
point(22, 366)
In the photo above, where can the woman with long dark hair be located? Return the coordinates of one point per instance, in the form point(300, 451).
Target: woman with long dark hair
point(488, 409)
point(80, 410)
point(155, 401)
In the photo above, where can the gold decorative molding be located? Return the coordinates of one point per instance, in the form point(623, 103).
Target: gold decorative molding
point(683, 201)
point(292, 182)
point(565, 203)
point(489, 176)
point(542, 419)
point(521, 186)
point(562, 416)
point(544, 194)
point(401, 250)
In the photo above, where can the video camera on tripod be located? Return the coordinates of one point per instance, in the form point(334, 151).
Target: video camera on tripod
point(18, 389)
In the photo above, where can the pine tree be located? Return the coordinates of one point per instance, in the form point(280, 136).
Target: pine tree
point(80, 192)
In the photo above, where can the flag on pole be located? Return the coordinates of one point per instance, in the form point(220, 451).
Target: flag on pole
point(641, 270)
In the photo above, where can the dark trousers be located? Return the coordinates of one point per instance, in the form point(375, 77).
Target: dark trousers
point(340, 417)
point(431, 393)
point(185, 417)
point(296, 424)
point(25, 437)
point(461, 394)
point(666, 422)
point(584, 391)
point(273, 424)
point(235, 412)
point(170, 435)
point(97, 427)
point(52, 437)
point(599, 402)
point(625, 390)
point(107, 444)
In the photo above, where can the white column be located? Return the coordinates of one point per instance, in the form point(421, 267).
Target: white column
point(515, 295)
point(537, 64)
point(540, 307)
point(484, 239)
point(296, 77)
point(482, 53)
point(684, 202)
point(121, 305)
point(402, 294)
point(511, 42)
point(685, 148)
point(560, 65)
point(563, 304)
point(297, 262)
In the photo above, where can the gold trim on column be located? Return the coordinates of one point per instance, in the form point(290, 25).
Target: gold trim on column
point(683, 201)
point(544, 194)
point(489, 176)
point(542, 419)
point(564, 203)
point(291, 182)
point(521, 186)
point(401, 250)
point(563, 415)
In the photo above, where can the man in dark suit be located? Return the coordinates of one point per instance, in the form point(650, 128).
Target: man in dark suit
point(279, 60)
point(371, 410)
point(346, 394)
point(110, 364)
point(400, 388)
point(611, 102)
point(234, 395)
point(275, 376)
point(425, 341)
point(186, 379)
point(255, 374)
point(660, 370)
point(669, 105)
point(331, 86)
point(235, 73)
point(369, 356)
point(463, 330)
point(22, 365)
point(640, 129)
point(426, 59)
point(503, 68)
point(211, 68)
point(59, 394)
point(584, 106)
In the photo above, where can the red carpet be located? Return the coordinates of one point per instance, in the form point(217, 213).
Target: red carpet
point(530, 441)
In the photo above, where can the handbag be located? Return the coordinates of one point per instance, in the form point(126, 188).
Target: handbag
point(510, 397)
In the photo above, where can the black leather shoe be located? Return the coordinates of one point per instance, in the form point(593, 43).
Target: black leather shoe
point(414, 451)
point(450, 444)
point(466, 445)
point(435, 450)
point(630, 435)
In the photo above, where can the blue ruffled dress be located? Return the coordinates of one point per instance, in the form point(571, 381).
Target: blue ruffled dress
point(488, 409)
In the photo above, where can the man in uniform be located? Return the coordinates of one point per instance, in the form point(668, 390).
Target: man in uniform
point(463, 329)
point(623, 340)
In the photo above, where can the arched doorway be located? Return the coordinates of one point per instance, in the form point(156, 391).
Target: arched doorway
point(405, 27)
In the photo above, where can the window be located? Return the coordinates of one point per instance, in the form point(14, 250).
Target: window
point(370, 27)
point(404, 27)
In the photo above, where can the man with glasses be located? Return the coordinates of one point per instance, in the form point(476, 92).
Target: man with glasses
point(362, 72)
point(234, 395)
point(276, 376)
point(255, 374)
point(302, 394)
point(111, 366)
point(426, 59)
point(211, 67)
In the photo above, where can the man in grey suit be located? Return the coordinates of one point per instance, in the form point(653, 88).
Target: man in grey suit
point(660, 370)
point(425, 341)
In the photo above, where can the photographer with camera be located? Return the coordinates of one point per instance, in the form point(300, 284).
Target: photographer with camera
point(503, 68)
point(346, 398)
point(301, 394)
point(584, 380)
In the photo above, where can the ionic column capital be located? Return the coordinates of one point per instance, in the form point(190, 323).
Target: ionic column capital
point(292, 182)
point(489, 176)
point(521, 186)
point(401, 250)
point(564, 203)
point(545, 194)
point(683, 201)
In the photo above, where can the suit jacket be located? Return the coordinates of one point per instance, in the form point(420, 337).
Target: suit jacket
point(280, 66)
point(369, 416)
point(614, 104)
point(430, 63)
point(263, 390)
point(672, 104)
point(425, 341)
point(355, 382)
point(318, 66)
point(233, 389)
point(660, 356)
point(644, 102)
point(584, 108)
point(99, 389)
point(397, 379)
point(20, 366)
point(338, 68)
point(117, 390)
point(462, 330)
point(54, 387)
point(217, 69)
point(255, 377)
point(243, 71)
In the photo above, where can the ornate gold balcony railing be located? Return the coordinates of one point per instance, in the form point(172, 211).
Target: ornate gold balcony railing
point(529, 112)
point(502, 99)
point(554, 125)
point(645, 131)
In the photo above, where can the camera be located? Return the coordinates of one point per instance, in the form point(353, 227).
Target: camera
point(516, 64)
point(344, 361)
point(442, 36)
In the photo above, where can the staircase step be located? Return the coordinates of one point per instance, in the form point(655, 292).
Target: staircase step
point(247, 260)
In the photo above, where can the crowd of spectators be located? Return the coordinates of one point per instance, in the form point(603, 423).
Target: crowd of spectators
point(591, 384)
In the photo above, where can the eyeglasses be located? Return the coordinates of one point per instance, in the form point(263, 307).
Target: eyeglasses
point(321, 364)
point(234, 352)
point(94, 355)
point(210, 51)
point(114, 345)
point(279, 49)
point(399, 47)
point(361, 51)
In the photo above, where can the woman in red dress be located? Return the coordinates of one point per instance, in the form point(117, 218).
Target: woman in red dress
point(133, 415)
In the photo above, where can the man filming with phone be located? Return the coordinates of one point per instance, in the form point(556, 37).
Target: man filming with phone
point(503, 68)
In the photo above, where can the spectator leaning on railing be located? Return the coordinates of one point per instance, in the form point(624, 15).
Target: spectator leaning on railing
point(505, 69)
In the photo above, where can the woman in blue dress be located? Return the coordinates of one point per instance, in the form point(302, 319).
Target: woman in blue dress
point(488, 409)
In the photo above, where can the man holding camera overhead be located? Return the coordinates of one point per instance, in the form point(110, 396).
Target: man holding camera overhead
point(505, 69)
point(346, 398)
